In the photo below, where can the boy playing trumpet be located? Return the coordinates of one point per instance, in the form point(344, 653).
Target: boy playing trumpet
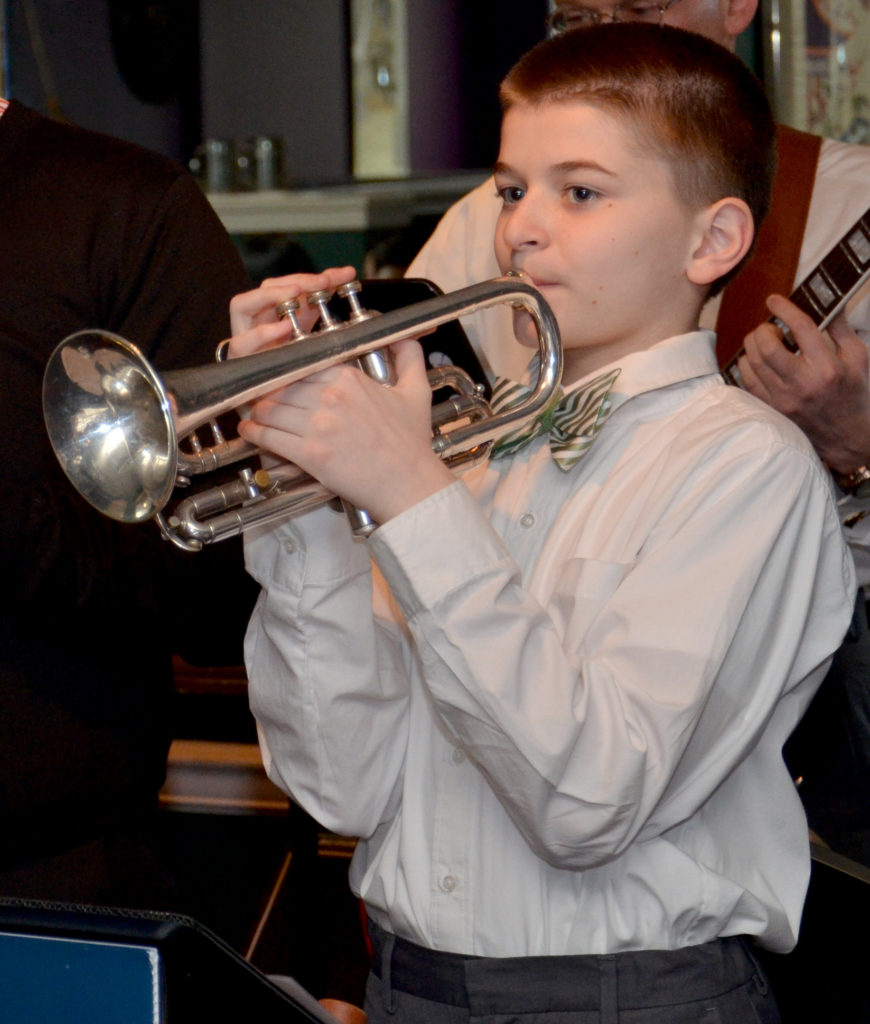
point(550, 697)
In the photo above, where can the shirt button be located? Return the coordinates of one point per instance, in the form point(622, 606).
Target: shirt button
point(527, 520)
point(290, 547)
point(458, 756)
point(448, 883)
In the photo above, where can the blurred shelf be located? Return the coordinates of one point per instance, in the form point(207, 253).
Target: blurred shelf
point(219, 778)
point(358, 207)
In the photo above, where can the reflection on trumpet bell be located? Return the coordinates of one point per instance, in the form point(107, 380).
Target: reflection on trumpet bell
point(115, 424)
point(109, 422)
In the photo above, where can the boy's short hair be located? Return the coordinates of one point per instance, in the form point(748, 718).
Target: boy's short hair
point(691, 101)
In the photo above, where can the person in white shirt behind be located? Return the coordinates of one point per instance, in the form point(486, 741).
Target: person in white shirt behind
point(550, 697)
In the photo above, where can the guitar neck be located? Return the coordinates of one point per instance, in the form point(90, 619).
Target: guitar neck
point(824, 292)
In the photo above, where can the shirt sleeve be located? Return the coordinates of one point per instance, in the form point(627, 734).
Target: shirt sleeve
point(329, 688)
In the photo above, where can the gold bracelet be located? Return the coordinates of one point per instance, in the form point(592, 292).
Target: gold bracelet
point(857, 482)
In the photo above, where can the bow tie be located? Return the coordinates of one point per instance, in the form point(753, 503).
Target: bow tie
point(571, 420)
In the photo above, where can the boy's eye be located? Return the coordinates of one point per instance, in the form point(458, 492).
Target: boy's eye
point(510, 194)
point(581, 194)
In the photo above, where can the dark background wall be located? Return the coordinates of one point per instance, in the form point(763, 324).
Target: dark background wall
point(169, 74)
point(61, 60)
point(278, 67)
point(458, 52)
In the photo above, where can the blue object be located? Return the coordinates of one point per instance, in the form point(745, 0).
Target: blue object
point(47, 980)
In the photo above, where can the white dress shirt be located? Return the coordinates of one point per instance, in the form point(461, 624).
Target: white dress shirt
point(460, 252)
point(561, 731)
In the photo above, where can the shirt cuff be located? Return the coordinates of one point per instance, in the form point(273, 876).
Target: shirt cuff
point(435, 547)
point(314, 548)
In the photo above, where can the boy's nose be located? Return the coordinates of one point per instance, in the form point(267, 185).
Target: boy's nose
point(525, 227)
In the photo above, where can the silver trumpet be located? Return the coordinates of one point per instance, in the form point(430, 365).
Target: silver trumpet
point(115, 425)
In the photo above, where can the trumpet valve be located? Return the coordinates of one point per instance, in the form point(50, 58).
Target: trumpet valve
point(350, 292)
point(318, 300)
point(250, 483)
point(194, 442)
point(286, 310)
point(216, 433)
point(256, 482)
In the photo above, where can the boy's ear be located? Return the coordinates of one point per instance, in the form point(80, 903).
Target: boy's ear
point(738, 15)
point(726, 233)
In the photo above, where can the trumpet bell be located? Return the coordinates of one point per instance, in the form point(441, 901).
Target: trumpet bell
point(109, 420)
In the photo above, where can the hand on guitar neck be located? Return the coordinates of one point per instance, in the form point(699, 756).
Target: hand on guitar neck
point(824, 387)
point(820, 381)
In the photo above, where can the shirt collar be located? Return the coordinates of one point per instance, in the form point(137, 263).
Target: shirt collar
point(671, 361)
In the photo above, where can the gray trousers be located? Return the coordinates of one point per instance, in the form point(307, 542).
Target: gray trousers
point(717, 983)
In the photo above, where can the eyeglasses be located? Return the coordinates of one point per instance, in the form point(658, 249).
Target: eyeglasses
point(564, 18)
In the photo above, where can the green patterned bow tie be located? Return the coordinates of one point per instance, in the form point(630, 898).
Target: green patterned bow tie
point(572, 420)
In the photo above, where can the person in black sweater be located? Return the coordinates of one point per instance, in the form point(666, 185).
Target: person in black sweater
point(96, 233)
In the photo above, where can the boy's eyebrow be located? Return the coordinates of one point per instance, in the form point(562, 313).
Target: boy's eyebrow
point(565, 167)
point(569, 166)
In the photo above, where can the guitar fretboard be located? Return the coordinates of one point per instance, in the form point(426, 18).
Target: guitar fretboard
point(824, 292)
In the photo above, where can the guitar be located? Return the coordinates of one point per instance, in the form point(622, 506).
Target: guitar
point(826, 289)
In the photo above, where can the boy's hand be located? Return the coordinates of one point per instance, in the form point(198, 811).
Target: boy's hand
point(824, 388)
point(254, 318)
point(367, 443)
point(255, 324)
